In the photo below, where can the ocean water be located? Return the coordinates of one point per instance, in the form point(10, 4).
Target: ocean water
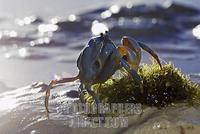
point(50, 8)
point(41, 40)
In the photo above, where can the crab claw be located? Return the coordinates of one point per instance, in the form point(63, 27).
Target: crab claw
point(135, 46)
point(150, 51)
point(133, 59)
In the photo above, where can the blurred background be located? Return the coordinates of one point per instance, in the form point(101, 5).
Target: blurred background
point(41, 40)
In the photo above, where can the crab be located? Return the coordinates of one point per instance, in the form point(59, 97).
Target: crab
point(100, 59)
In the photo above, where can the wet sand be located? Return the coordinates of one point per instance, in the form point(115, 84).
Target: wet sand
point(27, 115)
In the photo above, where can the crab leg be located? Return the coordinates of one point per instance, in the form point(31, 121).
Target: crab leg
point(53, 83)
point(97, 101)
point(133, 72)
point(92, 93)
point(81, 92)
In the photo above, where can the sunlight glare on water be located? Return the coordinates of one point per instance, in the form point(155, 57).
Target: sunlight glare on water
point(23, 52)
point(8, 33)
point(43, 28)
point(106, 14)
point(114, 9)
point(7, 103)
point(72, 18)
point(196, 31)
point(98, 28)
point(26, 20)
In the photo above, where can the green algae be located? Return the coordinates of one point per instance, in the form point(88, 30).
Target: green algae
point(159, 87)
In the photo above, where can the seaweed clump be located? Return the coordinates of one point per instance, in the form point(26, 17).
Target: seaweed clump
point(159, 87)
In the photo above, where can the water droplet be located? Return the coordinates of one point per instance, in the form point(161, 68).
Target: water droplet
point(34, 132)
point(156, 126)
